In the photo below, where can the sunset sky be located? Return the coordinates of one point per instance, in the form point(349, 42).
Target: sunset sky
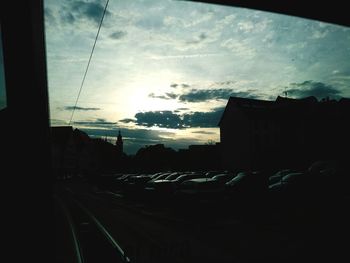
point(162, 71)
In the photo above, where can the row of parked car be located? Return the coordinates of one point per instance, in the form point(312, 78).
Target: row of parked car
point(210, 184)
point(284, 194)
point(321, 178)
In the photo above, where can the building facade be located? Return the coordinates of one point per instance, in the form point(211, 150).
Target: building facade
point(259, 134)
point(71, 151)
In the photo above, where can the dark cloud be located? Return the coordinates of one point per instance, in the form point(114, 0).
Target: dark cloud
point(172, 95)
point(203, 132)
point(58, 122)
point(118, 35)
point(196, 95)
point(81, 108)
point(67, 16)
point(164, 119)
point(225, 83)
point(198, 39)
point(183, 85)
point(127, 120)
point(204, 119)
point(167, 96)
point(181, 109)
point(90, 10)
point(311, 88)
point(174, 120)
point(96, 123)
point(154, 96)
point(202, 36)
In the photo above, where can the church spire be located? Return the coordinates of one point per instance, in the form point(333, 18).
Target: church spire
point(119, 143)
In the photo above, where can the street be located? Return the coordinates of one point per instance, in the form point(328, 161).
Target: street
point(150, 234)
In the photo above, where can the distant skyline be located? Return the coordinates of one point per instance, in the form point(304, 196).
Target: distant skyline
point(162, 71)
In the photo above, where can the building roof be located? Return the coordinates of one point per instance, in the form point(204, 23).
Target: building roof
point(250, 103)
point(249, 106)
point(81, 135)
point(295, 108)
point(306, 100)
point(264, 109)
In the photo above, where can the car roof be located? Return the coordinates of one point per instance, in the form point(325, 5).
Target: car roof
point(290, 176)
point(201, 180)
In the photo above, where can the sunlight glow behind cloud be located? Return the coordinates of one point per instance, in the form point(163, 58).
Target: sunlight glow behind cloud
point(162, 55)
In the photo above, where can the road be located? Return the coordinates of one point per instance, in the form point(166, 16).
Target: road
point(151, 234)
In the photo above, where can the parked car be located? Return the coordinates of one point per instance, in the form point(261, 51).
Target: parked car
point(164, 186)
point(278, 176)
point(247, 192)
point(212, 173)
point(172, 176)
point(199, 188)
point(332, 177)
point(118, 182)
point(248, 183)
point(137, 182)
point(223, 177)
point(289, 182)
point(149, 184)
point(186, 176)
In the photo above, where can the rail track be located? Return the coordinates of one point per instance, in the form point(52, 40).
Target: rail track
point(80, 236)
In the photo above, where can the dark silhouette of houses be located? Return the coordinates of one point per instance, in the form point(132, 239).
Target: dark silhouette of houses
point(75, 153)
point(71, 151)
point(154, 158)
point(199, 158)
point(259, 134)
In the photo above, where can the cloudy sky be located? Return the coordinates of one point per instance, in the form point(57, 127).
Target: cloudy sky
point(2, 79)
point(162, 71)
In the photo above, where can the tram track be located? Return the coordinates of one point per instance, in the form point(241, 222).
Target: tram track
point(90, 239)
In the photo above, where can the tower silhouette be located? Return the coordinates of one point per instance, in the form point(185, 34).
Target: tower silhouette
point(119, 143)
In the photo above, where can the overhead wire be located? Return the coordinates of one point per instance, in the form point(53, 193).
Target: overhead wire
point(88, 64)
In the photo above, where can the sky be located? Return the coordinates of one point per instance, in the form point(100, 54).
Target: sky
point(3, 103)
point(162, 71)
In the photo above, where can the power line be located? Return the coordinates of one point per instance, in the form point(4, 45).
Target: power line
point(87, 67)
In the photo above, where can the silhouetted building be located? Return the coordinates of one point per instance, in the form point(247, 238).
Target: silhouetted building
point(119, 144)
point(71, 151)
point(105, 156)
point(257, 134)
point(154, 158)
point(199, 157)
point(75, 153)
